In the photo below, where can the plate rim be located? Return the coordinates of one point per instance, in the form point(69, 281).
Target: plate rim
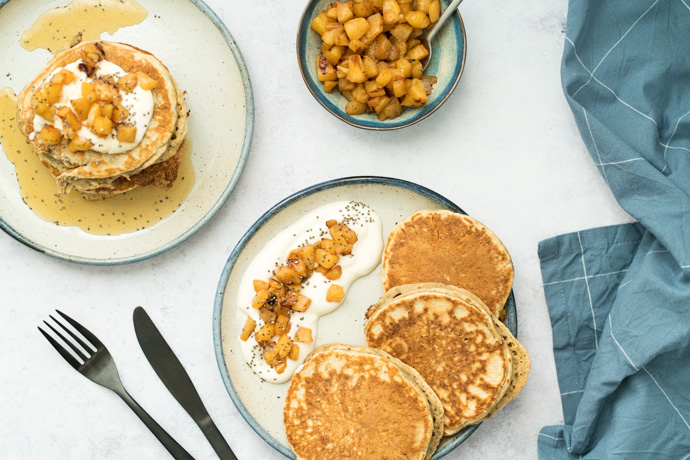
point(213, 210)
point(242, 243)
point(302, 28)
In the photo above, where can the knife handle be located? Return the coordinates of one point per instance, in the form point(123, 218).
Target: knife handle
point(176, 450)
point(216, 439)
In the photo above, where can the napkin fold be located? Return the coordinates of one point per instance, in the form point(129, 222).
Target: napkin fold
point(619, 296)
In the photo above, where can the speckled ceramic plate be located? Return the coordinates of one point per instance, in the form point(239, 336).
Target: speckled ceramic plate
point(261, 403)
point(207, 64)
point(447, 64)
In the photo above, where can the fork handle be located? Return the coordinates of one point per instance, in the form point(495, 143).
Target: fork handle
point(176, 450)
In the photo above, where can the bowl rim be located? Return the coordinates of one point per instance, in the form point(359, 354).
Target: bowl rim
point(377, 125)
point(511, 322)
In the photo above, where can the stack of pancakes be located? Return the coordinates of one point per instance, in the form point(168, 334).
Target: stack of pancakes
point(468, 357)
point(153, 161)
point(447, 278)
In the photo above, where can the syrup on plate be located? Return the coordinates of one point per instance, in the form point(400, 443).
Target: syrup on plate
point(56, 28)
point(125, 213)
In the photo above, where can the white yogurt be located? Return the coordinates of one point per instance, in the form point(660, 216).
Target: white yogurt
point(366, 255)
point(139, 104)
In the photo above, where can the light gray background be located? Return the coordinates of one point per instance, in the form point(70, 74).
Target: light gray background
point(504, 147)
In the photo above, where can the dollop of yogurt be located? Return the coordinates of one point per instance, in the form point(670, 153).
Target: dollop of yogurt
point(366, 255)
point(139, 103)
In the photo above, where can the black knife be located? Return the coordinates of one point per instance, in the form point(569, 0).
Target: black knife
point(176, 379)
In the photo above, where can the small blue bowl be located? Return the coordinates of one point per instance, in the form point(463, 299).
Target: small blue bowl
point(447, 64)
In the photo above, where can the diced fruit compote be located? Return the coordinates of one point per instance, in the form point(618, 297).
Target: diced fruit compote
point(371, 53)
point(279, 297)
point(99, 108)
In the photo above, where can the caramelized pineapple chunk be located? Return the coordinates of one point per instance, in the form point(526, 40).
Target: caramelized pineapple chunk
point(356, 28)
point(325, 70)
point(294, 352)
point(334, 273)
point(355, 72)
point(53, 93)
point(319, 23)
point(418, 53)
point(391, 11)
point(265, 333)
point(335, 293)
point(329, 85)
point(282, 324)
point(434, 11)
point(417, 19)
point(94, 111)
point(88, 92)
point(270, 352)
point(416, 94)
point(363, 9)
point(260, 299)
point(260, 285)
point(284, 345)
point(126, 133)
point(128, 83)
point(279, 366)
point(79, 144)
point(303, 335)
point(120, 114)
point(81, 107)
point(326, 259)
point(267, 315)
point(102, 126)
point(146, 83)
point(70, 118)
point(306, 253)
point(302, 303)
point(63, 77)
point(50, 135)
point(247, 330)
point(104, 91)
point(286, 275)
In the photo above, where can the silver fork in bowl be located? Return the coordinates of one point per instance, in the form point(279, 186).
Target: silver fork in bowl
point(98, 366)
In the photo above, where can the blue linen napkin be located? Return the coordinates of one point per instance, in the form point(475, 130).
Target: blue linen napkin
point(619, 296)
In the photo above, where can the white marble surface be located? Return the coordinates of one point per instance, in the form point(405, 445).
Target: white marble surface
point(504, 147)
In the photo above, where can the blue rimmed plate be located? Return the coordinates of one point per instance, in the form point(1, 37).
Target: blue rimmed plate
point(260, 403)
point(220, 128)
point(447, 64)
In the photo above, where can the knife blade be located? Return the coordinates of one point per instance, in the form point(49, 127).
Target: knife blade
point(177, 381)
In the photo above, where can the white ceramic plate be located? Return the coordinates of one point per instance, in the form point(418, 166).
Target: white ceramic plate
point(261, 403)
point(205, 61)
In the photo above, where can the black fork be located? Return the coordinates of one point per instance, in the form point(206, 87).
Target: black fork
point(98, 366)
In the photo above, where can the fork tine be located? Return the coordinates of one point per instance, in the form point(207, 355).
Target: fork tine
point(65, 354)
point(82, 330)
point(74, 348)
point(88, 348)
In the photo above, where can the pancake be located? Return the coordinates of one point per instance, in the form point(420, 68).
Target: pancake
point(356, 402)
point(93, 171)
point(449, 248)
point(468, 357)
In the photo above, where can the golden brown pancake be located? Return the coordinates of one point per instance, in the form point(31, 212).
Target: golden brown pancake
point(468, 357)
point(95, 174)
point(449, 248)
point(356, 402)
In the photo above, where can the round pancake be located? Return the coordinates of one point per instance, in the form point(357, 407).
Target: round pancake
point(355, 402)
point(449, 248)
point(96, 174)
point(467, 356)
